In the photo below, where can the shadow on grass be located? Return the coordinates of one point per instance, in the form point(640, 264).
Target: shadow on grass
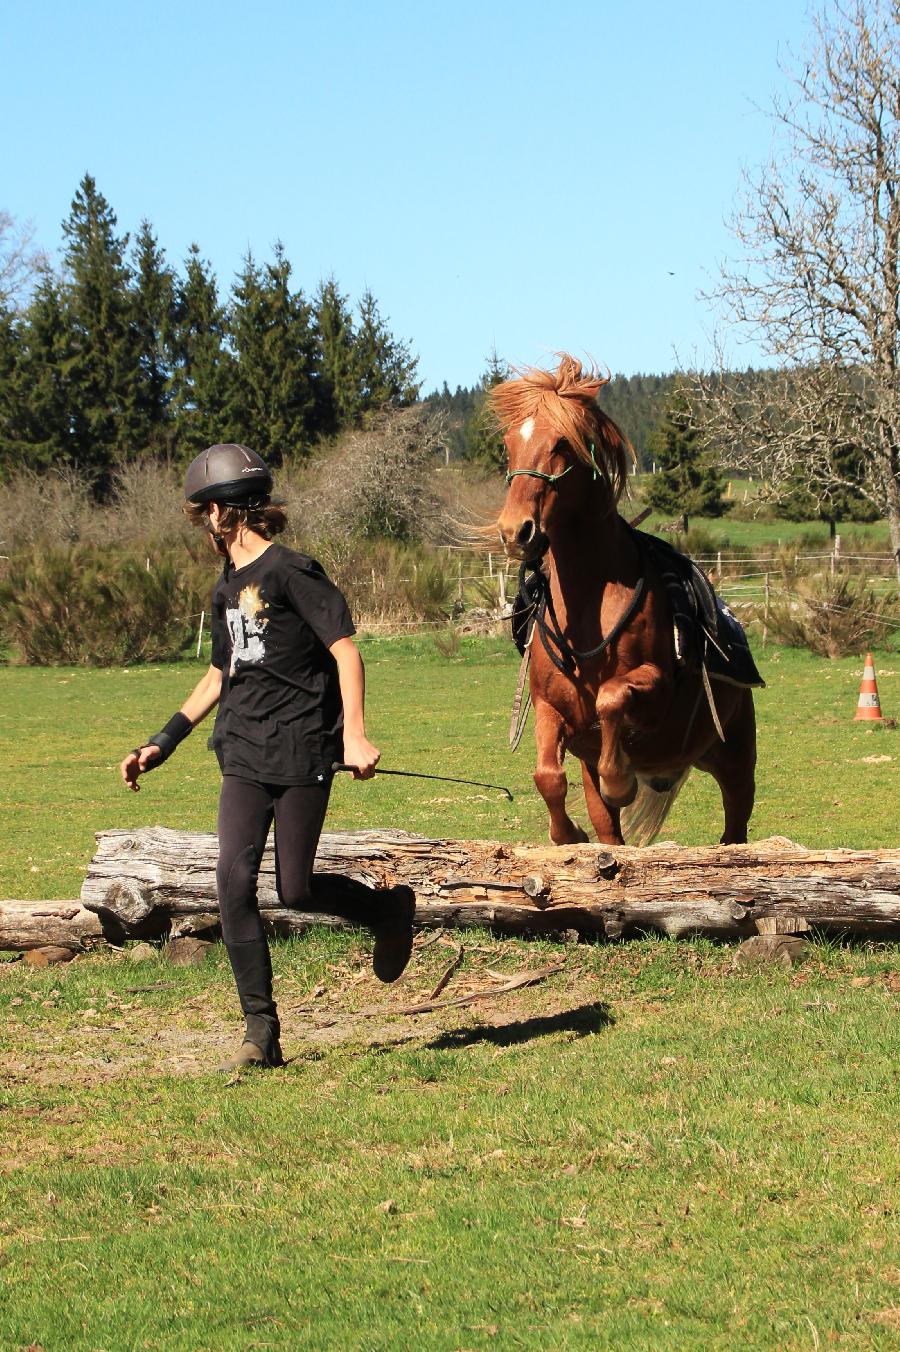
point(583, 1020)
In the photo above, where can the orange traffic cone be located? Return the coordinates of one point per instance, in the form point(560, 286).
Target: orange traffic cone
point(869, 705)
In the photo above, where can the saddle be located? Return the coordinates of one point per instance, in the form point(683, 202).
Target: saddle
point(706, 633)
point(707, 636)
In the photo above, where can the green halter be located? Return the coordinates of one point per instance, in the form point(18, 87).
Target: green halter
point(552, 478)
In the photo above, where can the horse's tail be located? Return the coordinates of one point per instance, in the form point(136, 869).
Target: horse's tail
point(641, 820)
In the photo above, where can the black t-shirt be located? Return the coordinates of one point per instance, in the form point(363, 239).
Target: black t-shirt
point(280, 718)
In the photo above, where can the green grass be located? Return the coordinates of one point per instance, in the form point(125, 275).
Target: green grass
point(650, 1150)
point(822, 778)
point(768, 532)
point(810, 537)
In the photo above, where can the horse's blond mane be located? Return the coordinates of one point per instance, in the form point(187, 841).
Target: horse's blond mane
point(565, 401)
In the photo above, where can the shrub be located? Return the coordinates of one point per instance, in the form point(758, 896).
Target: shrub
point(447, 641)
point(57, 508)
point(379, 481)
point(431, 589)
point(51, 507)
point(831, 615)
point(145, 506)
point(385, 582)
point(83, 606)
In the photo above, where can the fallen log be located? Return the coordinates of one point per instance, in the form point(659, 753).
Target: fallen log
point(156, 883)
point(25, 925)
point(151, 880)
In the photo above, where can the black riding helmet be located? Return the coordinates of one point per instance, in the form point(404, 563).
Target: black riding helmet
point(231, 475)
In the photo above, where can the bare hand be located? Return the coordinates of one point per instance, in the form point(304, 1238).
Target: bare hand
point(361, 754)
point(135, 763)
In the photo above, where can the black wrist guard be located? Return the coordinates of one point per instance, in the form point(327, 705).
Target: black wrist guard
point(175, 731)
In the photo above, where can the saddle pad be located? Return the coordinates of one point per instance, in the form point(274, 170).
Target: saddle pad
point(728, 657)
point(707, 632)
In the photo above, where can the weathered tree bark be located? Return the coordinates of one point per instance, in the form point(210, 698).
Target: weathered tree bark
point(156, 882)
point(35, 924)
point(149, 881)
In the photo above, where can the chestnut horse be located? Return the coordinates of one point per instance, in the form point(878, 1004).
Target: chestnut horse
point(635, 718)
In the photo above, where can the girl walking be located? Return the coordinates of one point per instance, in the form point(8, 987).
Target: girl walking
point(290, 688)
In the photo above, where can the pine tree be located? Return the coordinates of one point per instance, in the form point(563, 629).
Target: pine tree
point(102, 370)
point(275, 398)
point(384, 367)
point(482, 442)
point(10, 408)
point(39, 393)
point(687, 483)
point(833, 502)
point(340, 397)
point(203, 367)
point(153, 305)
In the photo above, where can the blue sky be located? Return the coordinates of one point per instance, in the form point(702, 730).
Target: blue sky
point(513, 175)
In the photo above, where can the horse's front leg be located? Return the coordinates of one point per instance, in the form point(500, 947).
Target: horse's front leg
point(604, 819)
point(549, 775)
point(636, 700)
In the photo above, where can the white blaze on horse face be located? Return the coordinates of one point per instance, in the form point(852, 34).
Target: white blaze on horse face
point(526, 430)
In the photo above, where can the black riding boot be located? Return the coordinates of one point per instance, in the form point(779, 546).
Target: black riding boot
point(252, 966)
point(393, 931)
point(388, 912)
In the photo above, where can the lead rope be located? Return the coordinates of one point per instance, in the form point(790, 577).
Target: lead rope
point(568, 657)
point(517, 722)
point(565, 662)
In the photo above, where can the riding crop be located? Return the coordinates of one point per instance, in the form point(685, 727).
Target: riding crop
point(417, 774)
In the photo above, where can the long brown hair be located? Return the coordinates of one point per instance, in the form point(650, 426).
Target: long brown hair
point(268, 520)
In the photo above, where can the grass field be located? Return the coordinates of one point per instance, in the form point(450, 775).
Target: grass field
point(812, 537)
point(763, 532)
point(651, 1149)
point(823, 779)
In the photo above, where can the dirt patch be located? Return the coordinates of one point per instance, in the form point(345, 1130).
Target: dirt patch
point(153, 1043)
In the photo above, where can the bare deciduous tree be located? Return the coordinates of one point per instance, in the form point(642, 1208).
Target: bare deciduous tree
point(19, 259)
point(379, 483)
point(819, 282)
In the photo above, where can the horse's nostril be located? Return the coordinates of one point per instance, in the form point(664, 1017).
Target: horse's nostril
point(525, 532)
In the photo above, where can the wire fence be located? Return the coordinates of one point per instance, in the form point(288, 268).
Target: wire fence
point(746, 584)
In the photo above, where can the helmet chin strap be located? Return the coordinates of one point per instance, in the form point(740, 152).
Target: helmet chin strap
point(219, 542)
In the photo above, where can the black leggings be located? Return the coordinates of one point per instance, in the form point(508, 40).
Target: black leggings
point(246, 810)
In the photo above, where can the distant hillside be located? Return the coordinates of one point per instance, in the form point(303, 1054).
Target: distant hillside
point(636, 403)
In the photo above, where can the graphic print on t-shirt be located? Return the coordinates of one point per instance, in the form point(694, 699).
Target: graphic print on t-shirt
point(247, 627)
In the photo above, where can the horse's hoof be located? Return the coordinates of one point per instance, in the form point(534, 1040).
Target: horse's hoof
point(573, 837)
